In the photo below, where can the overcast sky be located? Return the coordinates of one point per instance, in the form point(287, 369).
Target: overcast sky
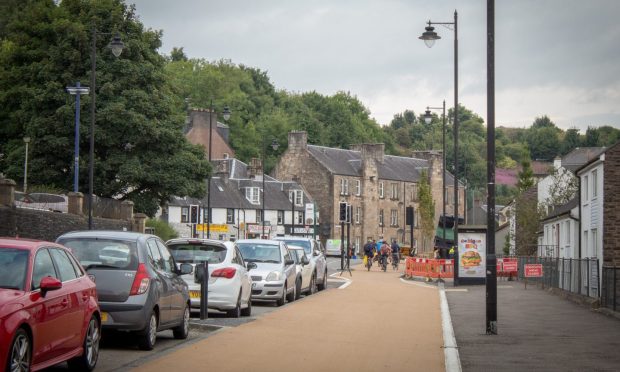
point(559, 58)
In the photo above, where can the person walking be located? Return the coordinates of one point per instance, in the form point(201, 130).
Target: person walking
point(395, 252)
point(369, 252)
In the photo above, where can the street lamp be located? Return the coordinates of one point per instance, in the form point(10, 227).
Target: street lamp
point(274, 146)
point(77, 91)
point(427, 119)
point(116, 45)
point(429, 38)
point(26, 141)
point(226, 114)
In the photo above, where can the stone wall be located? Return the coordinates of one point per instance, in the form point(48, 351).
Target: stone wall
point(611, 216)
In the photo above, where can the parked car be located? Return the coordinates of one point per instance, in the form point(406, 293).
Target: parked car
point(139, 283)
point(273, 279)
point(303, 279)
point(48, 308)
point(230, 285)
point(316, 256)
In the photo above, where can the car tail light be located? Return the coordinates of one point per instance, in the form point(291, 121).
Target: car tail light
point(227, 272)
point(140, 281)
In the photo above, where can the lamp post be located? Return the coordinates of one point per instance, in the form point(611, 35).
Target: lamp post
point(26, 141)
point(429, 37)
point(226, 114)
point(77, 91)
point(116, 45)
point(427, 119)
point(274, 146)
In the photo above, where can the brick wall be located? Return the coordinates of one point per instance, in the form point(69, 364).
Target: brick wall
point(611, 216)
point(48, 226)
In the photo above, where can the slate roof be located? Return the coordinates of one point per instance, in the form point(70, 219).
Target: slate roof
point(349, 163)
point(580, 156)
point(563, 209)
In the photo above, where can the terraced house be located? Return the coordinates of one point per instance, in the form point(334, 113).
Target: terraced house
point(379, 187)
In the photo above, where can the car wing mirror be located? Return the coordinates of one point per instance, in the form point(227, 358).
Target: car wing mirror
point(304, 260)
point(186, 268)
point(251, 265)
point(316, 252)
point(49, 283)
point(289, 262)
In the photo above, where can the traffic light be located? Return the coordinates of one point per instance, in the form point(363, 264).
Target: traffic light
point(409, 216)
point(343, 212)
point(193, 215)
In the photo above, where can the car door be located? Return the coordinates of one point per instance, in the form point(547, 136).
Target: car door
point(178, 288)
point(289, 270)
point(161, 280)
point(244, 275)
point(306, 271)
point(319, 259)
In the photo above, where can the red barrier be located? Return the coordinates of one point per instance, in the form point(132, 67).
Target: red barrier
point(429, 268)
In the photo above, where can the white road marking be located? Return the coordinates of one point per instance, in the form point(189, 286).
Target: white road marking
point(504, 286)
point(418, 284)
point(450, 349)
point(457, 290)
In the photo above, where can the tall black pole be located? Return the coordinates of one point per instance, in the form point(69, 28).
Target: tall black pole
point(210, 173)
point(293, 215)
point(342, 248)
point(91, 157)
point(456, 151)
point(443, 171)
point(491, 277)
point(263, 198)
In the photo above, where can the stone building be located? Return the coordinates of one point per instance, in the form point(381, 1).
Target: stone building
point(379, 187)
point(197, 132)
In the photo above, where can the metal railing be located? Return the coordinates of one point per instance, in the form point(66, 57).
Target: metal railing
point(610, 295)
point(570, 274)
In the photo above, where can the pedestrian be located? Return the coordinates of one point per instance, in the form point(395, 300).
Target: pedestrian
point(451, 252)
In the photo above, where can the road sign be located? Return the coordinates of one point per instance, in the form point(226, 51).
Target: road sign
point(509, 266)
point(533, 270)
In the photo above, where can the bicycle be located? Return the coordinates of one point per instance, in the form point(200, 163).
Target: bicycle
point(395, 262)
point(368, 263)
point(383, 262)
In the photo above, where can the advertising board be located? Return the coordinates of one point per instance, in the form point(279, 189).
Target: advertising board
point(472, 255)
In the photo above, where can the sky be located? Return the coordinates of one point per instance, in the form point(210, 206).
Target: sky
point(559, 58)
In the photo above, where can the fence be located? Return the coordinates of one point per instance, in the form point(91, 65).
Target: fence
point(610, 287)
point(570, 274)
point(104, 208)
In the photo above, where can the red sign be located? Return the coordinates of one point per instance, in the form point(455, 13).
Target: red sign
point(510, 266)
point(533, 270)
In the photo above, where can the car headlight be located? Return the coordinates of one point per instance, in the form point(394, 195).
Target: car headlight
point(274, 276)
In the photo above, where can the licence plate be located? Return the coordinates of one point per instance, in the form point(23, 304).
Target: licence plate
point(194, 294)
point(104, 317)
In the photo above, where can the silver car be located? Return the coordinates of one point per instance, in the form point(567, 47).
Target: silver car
point(304, 272)
point(316, 256)
point(229, 285)
point(273, 279)
point(138, 282)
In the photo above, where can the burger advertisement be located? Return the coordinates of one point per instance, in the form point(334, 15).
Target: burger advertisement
point(472, 247)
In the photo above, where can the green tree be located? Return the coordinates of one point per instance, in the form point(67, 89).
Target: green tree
point(427, 212)
point(571, 140)
point(140, 153)
point(177, 55)
point(526, 175)
point(564, 186)
point(527, 223)
point(592, 137)
point(162, 229)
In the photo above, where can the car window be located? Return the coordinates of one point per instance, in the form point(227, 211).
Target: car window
point(76, 265)
point(197, 252)
point(287, 254)
point(260, 252)
point(43, 267)
point(13, 268)
point(296, 254)
point(65, 268)
point(166, 257)
point(154, 255)
point(109, 254)
point(303, 244)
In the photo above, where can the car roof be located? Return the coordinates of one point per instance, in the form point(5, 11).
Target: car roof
point(28, 244)
point(226, 244)
point(292, 238)
point(258, 241)
point(130, 235)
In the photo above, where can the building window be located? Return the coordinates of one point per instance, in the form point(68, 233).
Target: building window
point(185, 214)
point(344, 186)
point(205, 216)
point(280, 217)
point(393, 217)
point(358, 214)
point(594, 183)
point(357, 244)
point(394, 190)
point(381, 217)
point(585, 241)
point(586, 193)
point(594, 243)
point(381, 195)
point(414, 191)
point(358, 187)
point(297, 196)
point(567, 232)
point(300, 217)
point(252, 194)
point(259, 216)
point(230, 215)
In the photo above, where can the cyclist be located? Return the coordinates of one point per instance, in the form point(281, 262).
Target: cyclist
point(385, 252)
point(369, 252)
point(395, 253)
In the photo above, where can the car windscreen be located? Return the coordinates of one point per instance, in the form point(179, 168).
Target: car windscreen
point(297, 255)
point(303, 244)
point(13, 268)
point(257, 252)
point(103, 253)
point(196, 253)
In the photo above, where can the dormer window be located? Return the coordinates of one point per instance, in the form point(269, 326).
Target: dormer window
point(252, 194)
point(296, 196)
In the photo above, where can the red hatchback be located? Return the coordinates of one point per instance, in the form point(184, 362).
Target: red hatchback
point(48, 308)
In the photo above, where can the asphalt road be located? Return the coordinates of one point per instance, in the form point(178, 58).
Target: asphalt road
point(119, 351)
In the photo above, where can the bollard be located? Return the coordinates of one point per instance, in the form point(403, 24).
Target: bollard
point(204, 291)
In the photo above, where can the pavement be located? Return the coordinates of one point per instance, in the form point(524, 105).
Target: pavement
point(373, 322)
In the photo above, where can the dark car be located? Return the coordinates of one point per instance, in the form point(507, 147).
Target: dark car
point(48, 308)
point(138, 282)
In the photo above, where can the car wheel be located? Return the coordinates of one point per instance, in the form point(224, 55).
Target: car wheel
point(312, 284)
point(282, 299)
point(293, 295)
point(149, 335)
point(20, 352)
point(298, 288)
point(248, 310)
point(323, 284)
point(236, 312)
point(182, 330)
point(88, 360)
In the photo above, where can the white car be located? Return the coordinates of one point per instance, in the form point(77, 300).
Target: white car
point(230, 284)
point(316, 256)
point(303, 280)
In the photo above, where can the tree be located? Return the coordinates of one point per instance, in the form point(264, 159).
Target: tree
point(571, 140)
point(527, 223)
point(427, 211)
point(526, 175)
point(140, 152)
point(592, 137)
point(563, 188)
point(162, 229)
point(177, 55)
